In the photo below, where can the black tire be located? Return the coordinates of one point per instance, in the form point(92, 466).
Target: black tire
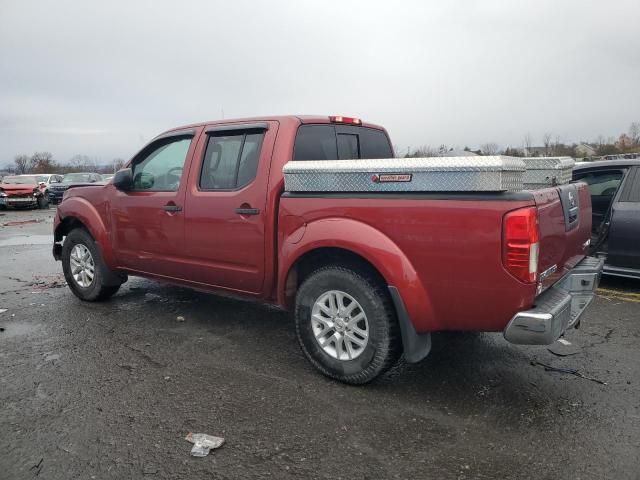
point(43, 202)
point(383, 348)
point(99, 289)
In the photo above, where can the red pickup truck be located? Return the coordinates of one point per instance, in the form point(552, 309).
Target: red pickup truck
point(368, 275)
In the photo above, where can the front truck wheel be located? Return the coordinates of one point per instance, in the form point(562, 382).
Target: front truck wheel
point(346, 324)
point(86, 273)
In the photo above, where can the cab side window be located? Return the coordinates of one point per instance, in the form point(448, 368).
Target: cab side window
point(230, 161)
point(159, 168)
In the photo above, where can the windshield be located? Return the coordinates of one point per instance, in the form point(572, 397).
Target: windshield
point(75, 178)
point(20, 180)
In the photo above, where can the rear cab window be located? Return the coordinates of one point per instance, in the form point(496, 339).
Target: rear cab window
point(340, 142)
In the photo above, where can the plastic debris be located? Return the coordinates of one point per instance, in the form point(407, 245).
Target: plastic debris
point(180, 319)
point(563, 348)
point(203, 443)
point(570, 371)
point(2, 310)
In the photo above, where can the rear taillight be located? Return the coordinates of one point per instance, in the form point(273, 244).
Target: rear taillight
point(520, 243)
point(346, 120)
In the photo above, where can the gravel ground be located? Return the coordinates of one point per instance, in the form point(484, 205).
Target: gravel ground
point(110, 390)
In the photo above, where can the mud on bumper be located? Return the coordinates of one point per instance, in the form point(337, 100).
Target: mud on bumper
point(557, 309)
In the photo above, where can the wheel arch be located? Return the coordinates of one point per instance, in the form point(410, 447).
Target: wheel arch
point(337, 240)
point(78, 213)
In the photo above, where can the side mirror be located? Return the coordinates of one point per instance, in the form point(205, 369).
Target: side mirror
point(123, 179)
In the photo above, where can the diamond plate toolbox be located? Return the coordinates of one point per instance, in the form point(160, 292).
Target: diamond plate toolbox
point(545, 172)
point(437, 174)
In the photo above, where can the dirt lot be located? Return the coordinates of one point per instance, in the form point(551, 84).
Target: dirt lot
point(110, 390)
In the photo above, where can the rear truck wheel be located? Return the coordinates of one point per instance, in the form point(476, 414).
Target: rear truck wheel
point(86, 273)
point(346, 325)
point(43, 202)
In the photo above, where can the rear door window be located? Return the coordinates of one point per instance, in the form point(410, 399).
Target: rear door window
point(230, 161)
point(329, 142)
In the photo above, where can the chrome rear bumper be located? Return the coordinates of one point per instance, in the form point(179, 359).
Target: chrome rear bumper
point(558, 308)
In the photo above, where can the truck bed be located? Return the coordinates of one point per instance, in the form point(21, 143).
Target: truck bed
point(452, 243)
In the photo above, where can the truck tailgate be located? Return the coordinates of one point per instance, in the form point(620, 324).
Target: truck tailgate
point(564, 214)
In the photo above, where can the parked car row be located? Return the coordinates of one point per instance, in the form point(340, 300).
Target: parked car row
point(38, 191)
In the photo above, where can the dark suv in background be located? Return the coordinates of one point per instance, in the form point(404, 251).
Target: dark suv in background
point(615, 199)
point(56, 191)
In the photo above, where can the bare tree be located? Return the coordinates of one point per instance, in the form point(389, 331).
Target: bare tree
point(22, 164)
point(42, 162)
point(118, 163)
point(634, 133)
point(513, 152)
point(423, 151)
point(526, 144)
point(546, 140)
point(624, 142)
point(80, 163)
point(490, 148)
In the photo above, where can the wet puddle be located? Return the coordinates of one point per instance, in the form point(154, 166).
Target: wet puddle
point(20, 240)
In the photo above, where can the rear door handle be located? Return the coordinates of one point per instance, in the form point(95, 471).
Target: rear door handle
point(247, 211)
point(173, 208)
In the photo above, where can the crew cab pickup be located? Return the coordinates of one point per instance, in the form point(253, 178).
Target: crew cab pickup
point(368, 275)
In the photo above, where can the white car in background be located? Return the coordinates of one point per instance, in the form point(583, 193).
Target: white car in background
point(46, 179)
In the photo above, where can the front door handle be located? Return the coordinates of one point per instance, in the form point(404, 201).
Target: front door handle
point(247, 211)
point(172, 208)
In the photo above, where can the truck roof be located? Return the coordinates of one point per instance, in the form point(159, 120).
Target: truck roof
point(302, 119)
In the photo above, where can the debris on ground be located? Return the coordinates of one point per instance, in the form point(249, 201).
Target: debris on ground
point(180, 319)
point(570, 371)
point(37, 467)
point(2, 310)
point(22, 222)
point(151, 297)
point(563, 348)
point(149, 470)
point(203, 443)
point(51, 357)
point(48, 281)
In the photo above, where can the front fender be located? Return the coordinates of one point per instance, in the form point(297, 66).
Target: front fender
point(372, 245)
point(88, 215)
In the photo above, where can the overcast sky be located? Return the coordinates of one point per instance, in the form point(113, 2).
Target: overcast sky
point(102, 78)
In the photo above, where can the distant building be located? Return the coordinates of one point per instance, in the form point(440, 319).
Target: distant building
point(584, 150)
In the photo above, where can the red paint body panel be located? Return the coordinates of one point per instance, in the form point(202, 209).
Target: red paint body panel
point(443, 255)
